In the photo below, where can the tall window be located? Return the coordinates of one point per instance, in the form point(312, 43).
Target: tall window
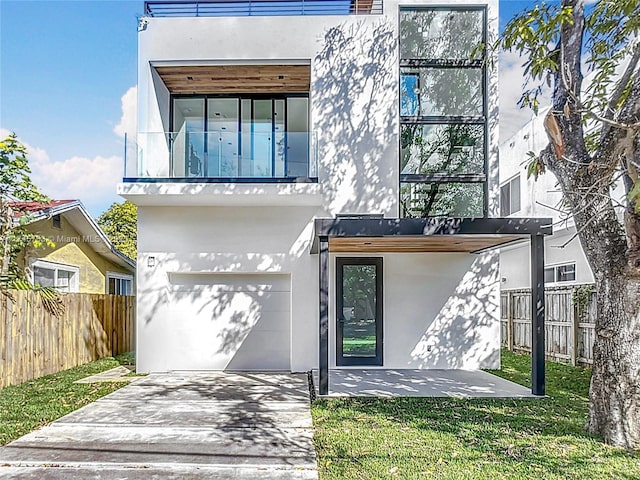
point(49, 274)
point(510, 197)
point(443, 112)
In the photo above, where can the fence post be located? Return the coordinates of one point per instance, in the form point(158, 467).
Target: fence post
point(575, 327)
point(510, 321)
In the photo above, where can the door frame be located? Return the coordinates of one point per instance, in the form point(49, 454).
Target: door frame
point(341, 360)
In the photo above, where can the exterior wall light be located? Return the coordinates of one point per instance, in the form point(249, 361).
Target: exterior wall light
point(151, 262)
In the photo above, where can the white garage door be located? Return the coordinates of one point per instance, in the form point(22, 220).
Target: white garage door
point(230, 321)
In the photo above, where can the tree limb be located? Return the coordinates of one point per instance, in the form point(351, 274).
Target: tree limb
point(614, 100)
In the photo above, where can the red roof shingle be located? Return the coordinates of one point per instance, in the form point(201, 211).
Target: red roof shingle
point(22, 208)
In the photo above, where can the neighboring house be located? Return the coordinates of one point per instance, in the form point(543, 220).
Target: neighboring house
point(565, 261)
point(317, 187)
point(82, 259)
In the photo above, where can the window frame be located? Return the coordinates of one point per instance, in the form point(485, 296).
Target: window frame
point(508, 184)
point(555, 267)
point(240, 96)
point(74, 284)
point(417, 64)
point(119, 276)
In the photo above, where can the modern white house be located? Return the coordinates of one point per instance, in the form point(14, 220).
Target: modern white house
point(318, 188)
point(565, 262)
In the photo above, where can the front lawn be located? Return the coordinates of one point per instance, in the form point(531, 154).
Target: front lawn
point(411, 438)
point(31, 404)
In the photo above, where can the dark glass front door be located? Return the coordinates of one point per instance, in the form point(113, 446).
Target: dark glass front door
point(359, 311)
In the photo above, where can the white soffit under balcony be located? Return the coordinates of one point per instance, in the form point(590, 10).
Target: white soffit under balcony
point(212, 79)
point(222, 194)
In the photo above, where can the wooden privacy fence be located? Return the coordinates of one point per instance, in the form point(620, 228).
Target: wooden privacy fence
point(33, 342)
point(569, 322)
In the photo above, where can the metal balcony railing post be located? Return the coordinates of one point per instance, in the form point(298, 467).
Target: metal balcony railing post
point(125, 156)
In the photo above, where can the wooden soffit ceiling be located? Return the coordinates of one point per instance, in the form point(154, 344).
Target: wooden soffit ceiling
point(410, 244)
point(213, 79)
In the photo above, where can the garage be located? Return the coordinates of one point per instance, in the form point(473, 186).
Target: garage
point(229, 321)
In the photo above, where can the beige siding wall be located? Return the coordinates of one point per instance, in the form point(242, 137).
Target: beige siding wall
point(72, 249)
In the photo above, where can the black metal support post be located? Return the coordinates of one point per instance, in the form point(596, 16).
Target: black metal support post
point(537, 315)
point(323, 364)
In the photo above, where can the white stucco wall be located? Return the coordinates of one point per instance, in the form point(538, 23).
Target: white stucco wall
point(440, 310)
point(560, 248)
point(200, 240)
point(357, 158)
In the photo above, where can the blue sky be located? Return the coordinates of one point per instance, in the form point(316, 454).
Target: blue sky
point(64, 68)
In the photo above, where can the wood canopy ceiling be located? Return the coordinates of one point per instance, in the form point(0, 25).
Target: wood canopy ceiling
point(415, 244)
point(216, 79)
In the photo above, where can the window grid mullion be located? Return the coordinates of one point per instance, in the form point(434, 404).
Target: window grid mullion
point(442, 119)
point(442, 178)
point(440, 63)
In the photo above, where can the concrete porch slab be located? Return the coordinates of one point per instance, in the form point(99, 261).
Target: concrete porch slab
point(421, 383)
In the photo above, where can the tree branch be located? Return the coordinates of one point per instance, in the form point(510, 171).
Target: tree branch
point(621, 85)
point(567, 86)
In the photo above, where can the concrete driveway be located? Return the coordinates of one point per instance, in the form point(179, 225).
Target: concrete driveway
point(178, 426)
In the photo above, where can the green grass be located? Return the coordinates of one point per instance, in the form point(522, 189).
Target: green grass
point(416, 438)
point(31, 404)
point(359, 345)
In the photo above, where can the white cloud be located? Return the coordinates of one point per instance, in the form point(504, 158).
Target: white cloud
point(90, 180)
point(511, 78)
point(128, 120)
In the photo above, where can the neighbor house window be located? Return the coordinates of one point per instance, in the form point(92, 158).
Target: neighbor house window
point(560, 273)
point(510, 197)
point(119, 284)
point(443, 112)
point(55, 221)
point(64, 278)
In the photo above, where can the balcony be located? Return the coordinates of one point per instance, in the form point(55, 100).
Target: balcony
point(222, 156)
point(243, 8)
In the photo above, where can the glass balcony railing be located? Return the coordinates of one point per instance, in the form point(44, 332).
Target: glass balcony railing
point(221, 156)
point(243, 8)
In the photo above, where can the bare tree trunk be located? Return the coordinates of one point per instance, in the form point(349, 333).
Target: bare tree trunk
point(615, 382)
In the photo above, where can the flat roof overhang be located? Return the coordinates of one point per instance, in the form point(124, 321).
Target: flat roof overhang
point(410, 235)
point(232, 78)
